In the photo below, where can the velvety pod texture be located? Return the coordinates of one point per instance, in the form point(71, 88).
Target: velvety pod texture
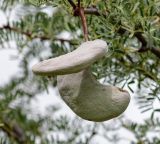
point(91, 100)
point(75, 61)
point(78, 87)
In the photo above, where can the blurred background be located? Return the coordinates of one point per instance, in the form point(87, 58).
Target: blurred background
point(31, 109)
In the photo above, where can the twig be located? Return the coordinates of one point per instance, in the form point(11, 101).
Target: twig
point(8, 27)
point(92, 11)
point(29, 34)
point(143, 41)
point(89, 11)
point(13, 130)
point(79, 11)
point(72, 4)
point(144, 47)
point(155, 51)
point(79, 3)
point(84, 23)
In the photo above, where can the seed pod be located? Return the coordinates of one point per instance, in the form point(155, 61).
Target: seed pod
point(78, 87)
point(91, 100)
point(72, 62)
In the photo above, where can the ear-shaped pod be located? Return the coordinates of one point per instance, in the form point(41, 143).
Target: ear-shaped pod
point(79, 89)
point(72, 62)
point(91, 100)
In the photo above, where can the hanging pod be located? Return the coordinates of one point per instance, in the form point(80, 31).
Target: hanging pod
point(78, 87)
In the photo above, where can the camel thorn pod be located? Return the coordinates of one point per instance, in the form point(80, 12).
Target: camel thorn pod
point(91, 100)
point(81, 58)
point(78, 87)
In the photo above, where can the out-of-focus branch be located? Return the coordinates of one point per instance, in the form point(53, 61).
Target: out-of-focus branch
point(144, 46)
point(79, 3)
point(143, 41)
point(72, 4)
point(14, 131)
point(29, 34)
point(92, 11)
point(155, 51)
point(89, 11)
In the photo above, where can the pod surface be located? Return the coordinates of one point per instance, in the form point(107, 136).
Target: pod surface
point(91, 100)
point(75, 61)
point(79, 88)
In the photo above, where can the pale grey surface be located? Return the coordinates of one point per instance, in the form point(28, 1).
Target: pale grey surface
point(81, 91)
point(91, 100)
point(86, 54)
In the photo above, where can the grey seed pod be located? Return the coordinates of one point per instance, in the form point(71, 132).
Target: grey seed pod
point(91, 100)
point(72, 62)
point(77, 86)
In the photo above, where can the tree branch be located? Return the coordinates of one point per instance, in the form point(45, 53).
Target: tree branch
point(84, 23)
point(143, 41)
point(89, 11)
point(79, 3)
point(79, 11)
point(13, 130)
point(144, 47)
point(155, 51)
point(29, 34)
point(92, 11)
point(72, 4)
point(141, 38)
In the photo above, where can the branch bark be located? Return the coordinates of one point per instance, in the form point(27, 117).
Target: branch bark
point(144, 47)
point(14, 131)
point(84, 23)
point(29, 34)
point(144, 44)
point(72, 4)
point(92, 11)
point(79, 3)
point(79, 11)
point(155, 51)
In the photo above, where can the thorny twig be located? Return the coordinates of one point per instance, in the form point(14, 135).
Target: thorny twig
point(79, 11)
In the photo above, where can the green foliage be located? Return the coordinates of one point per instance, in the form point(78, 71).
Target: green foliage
point(132, 31)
